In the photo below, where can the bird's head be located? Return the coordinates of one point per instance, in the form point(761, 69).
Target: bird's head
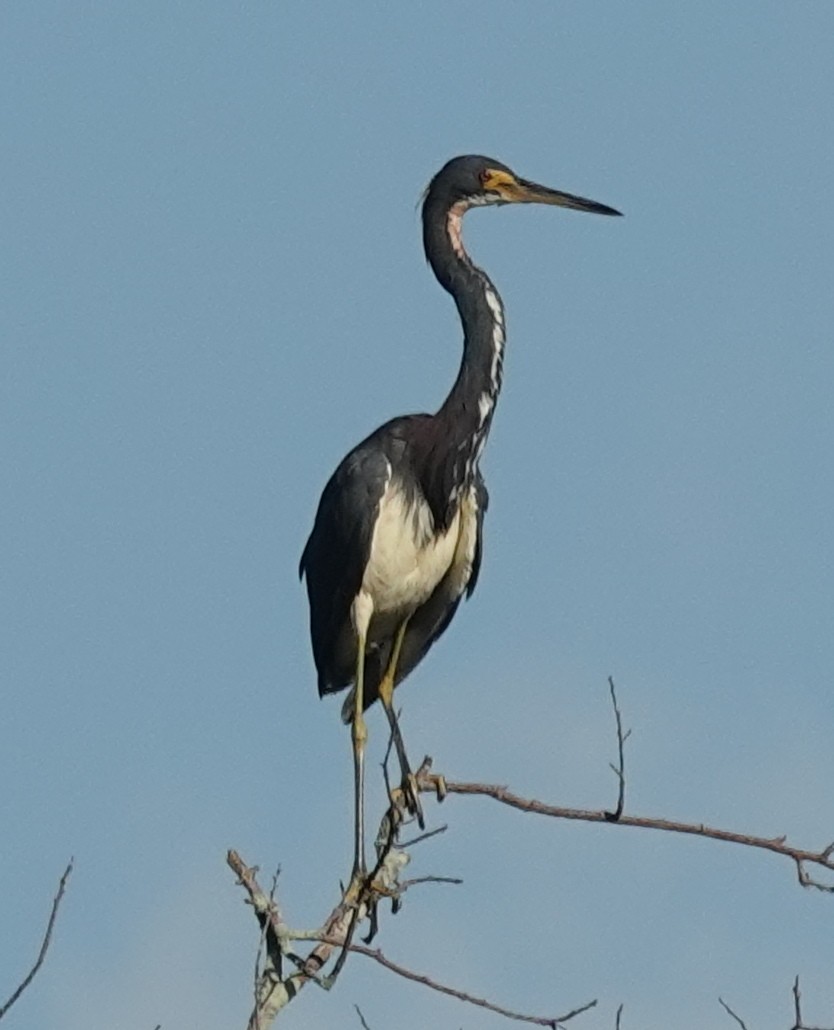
point(473, 180)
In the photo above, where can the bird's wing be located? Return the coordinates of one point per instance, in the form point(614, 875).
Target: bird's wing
point(336, 554)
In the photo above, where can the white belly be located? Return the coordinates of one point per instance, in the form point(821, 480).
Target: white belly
point(407, 559)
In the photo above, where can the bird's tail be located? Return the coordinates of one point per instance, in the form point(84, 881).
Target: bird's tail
point(348, 706)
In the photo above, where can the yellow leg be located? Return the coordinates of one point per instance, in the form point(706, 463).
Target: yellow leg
point(386, 686)
point(386, 695)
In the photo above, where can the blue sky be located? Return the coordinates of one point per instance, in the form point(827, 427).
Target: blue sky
point(212, 287)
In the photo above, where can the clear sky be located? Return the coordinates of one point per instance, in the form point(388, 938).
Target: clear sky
point(211, 287)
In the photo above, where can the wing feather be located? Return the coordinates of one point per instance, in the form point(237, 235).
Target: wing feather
point(336, 554)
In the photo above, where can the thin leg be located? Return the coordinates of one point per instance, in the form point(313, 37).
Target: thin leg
point(361, 614)
point(386, 695)
point(359, 734)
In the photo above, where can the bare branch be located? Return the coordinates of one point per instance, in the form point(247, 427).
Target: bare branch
point(273, 994)
point(45, 942)
point(428, 781)
point(427, 981)
point(361, 901)
point(267, 960)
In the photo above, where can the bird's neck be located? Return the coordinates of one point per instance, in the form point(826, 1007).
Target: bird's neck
point(466, 414)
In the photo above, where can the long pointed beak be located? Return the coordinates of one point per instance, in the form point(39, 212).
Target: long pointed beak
point(525, 192)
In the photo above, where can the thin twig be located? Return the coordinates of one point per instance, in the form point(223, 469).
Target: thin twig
point(619, 768)
point(456, 880)
point(796, 1004)
point(361, 1018)
point(45, 942)
point(424, 836)
point(730, 1012)
point(619, 1017)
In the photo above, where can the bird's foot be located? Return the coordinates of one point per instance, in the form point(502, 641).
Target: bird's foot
point(410, 791)
point(359, 903)
point(358, 886)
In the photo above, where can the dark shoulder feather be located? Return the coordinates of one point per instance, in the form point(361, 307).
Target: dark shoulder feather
point(337, 551)
point(482, 496)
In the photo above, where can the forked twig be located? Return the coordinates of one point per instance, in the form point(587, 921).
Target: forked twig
point(471, 999)
point(273, 994)
point(777, 845)
point(619, 768)
point(797, 1011)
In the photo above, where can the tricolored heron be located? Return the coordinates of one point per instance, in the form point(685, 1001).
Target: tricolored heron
point(397, 536)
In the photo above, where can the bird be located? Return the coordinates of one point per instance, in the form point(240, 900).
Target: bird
point(397, 539)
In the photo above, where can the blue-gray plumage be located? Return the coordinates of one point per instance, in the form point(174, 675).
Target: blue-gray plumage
point(397, 539)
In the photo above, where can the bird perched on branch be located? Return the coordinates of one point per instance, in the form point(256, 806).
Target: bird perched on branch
point(397, 539)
